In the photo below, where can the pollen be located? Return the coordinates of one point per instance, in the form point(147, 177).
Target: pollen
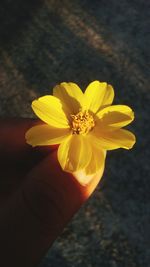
point(82, 122)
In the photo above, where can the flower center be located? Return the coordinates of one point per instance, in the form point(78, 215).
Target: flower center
point(82, 122)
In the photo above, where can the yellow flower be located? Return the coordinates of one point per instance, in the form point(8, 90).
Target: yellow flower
point(84, 124)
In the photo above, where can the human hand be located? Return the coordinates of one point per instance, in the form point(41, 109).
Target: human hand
point(37, 199)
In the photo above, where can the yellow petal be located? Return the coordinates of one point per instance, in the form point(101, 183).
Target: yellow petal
point(98, 95)
point(50, 110)
point(70, 95)
point(84, 179)
point(115, 116)
point(74, 153)
point(119, 138)
point(97, 160)
point(95, 167)
point(41, 135)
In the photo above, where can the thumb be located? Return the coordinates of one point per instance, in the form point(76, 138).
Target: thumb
point(41, 209)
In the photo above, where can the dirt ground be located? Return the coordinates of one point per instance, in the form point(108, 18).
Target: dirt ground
point(45, 42)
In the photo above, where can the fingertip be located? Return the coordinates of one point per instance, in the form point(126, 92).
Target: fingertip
point(88, 183)
point(79, 182)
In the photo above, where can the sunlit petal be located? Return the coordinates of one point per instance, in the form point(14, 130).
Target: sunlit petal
point(98, 95)
point(115, 116)
point(70, 95)
point(74, 153)
point(94, 168)
point(49, 109)
point(97, 160)
point(109, 140)
point(41, 135)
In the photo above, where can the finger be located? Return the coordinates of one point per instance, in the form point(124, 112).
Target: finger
point(40, 211)
point(17, 157)
point(13, 146)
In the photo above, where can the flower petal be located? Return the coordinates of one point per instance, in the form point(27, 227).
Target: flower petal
point(70, 95)
point(109, 140)
point(95, 167)
point(41, 135)
point(98, 95)
point(97, 161)
point(74, 153)
point(50, 110)
point(115, 116)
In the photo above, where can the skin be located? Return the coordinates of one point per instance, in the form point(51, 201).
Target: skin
point(37, 199)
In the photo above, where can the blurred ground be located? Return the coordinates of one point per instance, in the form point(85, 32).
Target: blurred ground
point(45, 42)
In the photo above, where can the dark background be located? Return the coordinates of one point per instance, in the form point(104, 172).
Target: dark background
point(45, 42)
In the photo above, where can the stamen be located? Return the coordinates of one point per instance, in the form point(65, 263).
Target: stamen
point(82, 122)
